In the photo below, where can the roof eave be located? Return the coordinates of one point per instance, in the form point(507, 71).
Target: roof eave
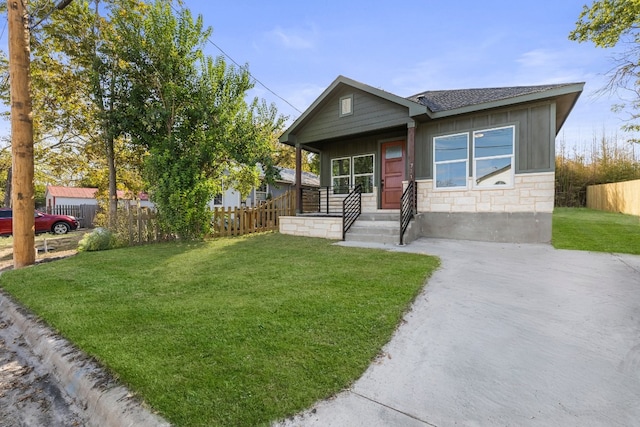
point(532, 97)
point(415, 109)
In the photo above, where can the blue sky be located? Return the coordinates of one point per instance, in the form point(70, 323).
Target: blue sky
point(298, 48)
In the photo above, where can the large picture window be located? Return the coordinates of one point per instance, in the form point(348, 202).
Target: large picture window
point(493, 157)
point(351, 171)
point(451, 154)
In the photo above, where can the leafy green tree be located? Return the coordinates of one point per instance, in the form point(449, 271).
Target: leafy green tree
point(608, 23)
point(76, 98)
point(188, 111)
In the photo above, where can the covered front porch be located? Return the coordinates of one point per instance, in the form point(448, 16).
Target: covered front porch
point(365, 139)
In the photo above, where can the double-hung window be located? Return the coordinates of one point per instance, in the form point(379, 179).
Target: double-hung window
point(351, 171)
point(341, 175)
point(451, 154)
point(363, 172)
point(493, 157)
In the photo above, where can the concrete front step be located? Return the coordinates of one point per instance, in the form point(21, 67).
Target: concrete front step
point(375, 227)
point(372, 238)
point(380, 216)
point(378, 227)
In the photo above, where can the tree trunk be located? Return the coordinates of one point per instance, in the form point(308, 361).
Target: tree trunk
point(113, 191)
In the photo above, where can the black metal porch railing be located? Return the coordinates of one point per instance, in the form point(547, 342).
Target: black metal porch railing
point(351, 209)
point(408, 204)
point(324, 200)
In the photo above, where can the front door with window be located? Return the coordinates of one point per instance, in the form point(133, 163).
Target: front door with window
point(393, 166)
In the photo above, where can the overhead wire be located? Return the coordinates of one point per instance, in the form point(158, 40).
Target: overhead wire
point(249, 72)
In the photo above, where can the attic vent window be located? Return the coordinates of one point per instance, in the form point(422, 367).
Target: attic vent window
point(346, 105)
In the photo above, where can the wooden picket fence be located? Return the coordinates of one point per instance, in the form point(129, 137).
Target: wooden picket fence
point(241, 220)
point(141, 225)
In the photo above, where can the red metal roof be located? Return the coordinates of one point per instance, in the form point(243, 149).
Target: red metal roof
point(72, 192)
point(87, 193)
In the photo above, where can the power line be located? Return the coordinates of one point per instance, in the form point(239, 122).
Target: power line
point(249, 72)
point(4, 28)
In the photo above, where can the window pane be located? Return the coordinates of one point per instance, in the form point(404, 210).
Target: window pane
point(496, 142)
point(452, 147)
point(393, 152)
point(345, 106)
point(494, 172)
point(362, 164)
point(341, 185)
point(451, 175)
point(366, 181)
point(341, 167)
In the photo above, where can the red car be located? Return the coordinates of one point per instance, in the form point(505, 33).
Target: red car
point(44, 223)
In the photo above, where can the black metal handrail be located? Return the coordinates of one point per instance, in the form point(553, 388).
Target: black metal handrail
point(408, 208)
point(324, 200)
point(351, 209)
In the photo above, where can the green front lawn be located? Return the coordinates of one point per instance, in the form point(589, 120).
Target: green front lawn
point(233, 332)
point(598, 231)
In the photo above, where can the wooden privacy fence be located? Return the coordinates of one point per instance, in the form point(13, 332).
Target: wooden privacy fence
point(85, 214)
point(623, 197)
point(241, 220)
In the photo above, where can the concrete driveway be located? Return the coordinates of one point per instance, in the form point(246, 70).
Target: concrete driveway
point(508, 335)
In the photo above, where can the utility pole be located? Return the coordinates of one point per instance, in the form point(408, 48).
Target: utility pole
point(21, 135)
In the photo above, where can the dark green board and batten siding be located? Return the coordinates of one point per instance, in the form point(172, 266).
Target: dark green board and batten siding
point(345, 147)
point(534, 141)
point(370, 113)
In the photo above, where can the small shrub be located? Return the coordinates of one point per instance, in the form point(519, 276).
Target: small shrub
point(99, 239)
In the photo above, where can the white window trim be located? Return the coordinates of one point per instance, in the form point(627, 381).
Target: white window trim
point(435, 164)
point(341, 176)
point(511, 156)
point(256, 191)
point(341, 111)
point(372, 173)
point(352, 176)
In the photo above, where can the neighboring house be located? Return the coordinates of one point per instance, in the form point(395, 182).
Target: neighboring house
point(78, 196)
point(482, 160)
point(230, 197)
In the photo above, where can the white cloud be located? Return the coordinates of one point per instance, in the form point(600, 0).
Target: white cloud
point(294, 38)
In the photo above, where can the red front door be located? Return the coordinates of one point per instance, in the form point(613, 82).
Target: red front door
point(392, 174)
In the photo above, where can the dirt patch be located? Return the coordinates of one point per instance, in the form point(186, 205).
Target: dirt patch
point(28, 395)
point(48, 247)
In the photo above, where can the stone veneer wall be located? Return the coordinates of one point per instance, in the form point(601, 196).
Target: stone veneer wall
point(522, 214)
point(310, 226)
point(532, 192)
point(370, 201)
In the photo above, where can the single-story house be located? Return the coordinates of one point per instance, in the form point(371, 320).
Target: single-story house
point(230, 197)
point(478, 164)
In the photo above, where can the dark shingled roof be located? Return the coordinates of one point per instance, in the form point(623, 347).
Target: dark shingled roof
point(445, 100)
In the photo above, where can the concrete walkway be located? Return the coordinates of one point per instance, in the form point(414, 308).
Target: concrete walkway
point(506, 335)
